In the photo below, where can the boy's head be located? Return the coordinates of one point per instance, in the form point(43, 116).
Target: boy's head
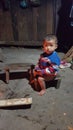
point(50, 43)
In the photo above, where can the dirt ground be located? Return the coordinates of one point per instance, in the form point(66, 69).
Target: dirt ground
point(52, 111)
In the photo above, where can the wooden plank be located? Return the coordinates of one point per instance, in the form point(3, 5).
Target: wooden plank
point(41, 21)
point(50, 17)
point(29, 24)
point(22, 22)
point(35, 14)
point(14, 19)
point(6, 33)
point(15, 66)
point(19, 66)
point(68, 57)
point(15, 102)
point(21, 43)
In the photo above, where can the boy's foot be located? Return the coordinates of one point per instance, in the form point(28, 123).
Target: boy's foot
point(42, 92)
point(31, 81)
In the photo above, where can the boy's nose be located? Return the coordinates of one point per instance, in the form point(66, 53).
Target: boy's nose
point(48, 47)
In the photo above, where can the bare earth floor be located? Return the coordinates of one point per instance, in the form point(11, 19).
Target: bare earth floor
point(52, 111)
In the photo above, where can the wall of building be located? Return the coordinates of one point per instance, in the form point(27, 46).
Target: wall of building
point(26, 26)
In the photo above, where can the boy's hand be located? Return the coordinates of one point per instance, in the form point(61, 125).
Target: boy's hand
point(45, 59)
point(38, 72)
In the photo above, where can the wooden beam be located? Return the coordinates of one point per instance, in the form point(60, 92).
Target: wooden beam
point(69, 53)
point(68, 57)
point(22, 43)
point(15, 102)
point(14, 19)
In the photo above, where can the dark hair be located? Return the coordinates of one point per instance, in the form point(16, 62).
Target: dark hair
point(51, 37)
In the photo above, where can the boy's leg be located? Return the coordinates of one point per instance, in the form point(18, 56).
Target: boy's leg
point(41, 82)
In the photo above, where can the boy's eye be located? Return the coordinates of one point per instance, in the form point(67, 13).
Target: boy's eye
point(51, 45)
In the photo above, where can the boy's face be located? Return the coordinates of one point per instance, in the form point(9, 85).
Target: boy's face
point(49, 46)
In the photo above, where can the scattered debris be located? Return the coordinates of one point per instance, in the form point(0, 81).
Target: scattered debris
point(64, 65)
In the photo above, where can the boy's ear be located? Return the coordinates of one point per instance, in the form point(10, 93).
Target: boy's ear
point(56, 46)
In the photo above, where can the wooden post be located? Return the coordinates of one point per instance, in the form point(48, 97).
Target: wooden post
point(7, 75)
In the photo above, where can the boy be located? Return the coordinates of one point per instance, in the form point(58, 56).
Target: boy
point(49, 61)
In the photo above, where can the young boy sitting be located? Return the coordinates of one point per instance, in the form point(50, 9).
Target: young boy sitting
point(48, 64)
